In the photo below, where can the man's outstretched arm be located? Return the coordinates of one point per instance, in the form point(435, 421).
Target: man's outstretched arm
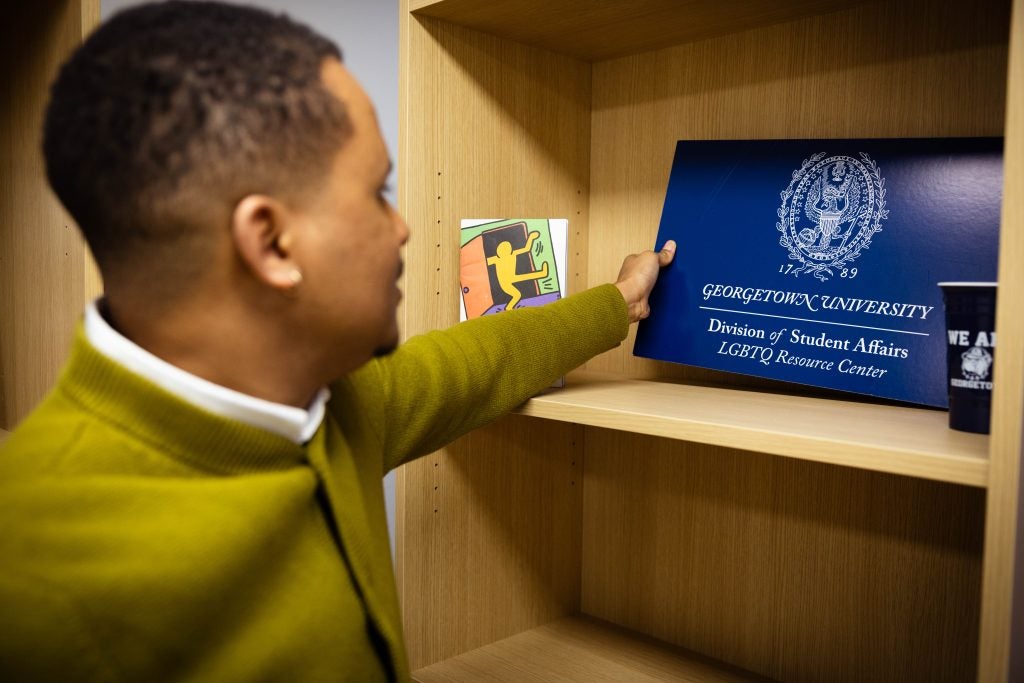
point(440, 385)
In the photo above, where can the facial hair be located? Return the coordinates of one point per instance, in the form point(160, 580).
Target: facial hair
point(388, 349)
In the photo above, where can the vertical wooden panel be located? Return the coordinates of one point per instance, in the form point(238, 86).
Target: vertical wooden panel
point(493, 129)
point(92, 286)
point(43, 277)
point(898, 69)
point(1002, 648)
point(491, 543)
point(488, 129)
point(881, 577)
point(794, 570)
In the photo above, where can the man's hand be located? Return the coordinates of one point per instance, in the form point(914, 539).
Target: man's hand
point(637, 276)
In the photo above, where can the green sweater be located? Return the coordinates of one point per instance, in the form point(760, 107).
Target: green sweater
point(144, 539)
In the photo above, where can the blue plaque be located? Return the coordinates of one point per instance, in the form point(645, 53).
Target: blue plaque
point(816, 261)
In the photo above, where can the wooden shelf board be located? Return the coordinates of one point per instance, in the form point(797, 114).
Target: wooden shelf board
point(602, 29)
point(914, 442)
point(580, 649)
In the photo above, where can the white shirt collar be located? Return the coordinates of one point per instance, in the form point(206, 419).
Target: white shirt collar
point(293, 423)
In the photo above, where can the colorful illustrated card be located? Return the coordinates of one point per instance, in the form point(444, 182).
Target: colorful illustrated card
point(817, 261)
point(511, 263)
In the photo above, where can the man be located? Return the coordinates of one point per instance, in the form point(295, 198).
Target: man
point(200, 496)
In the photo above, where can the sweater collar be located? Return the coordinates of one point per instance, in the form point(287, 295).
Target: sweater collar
point(293, 423)
point(167, 421)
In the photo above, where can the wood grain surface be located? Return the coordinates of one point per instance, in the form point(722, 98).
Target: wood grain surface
point(581, 650)
point(600, 29)
point(46, 275)
point(884, 438)
point(794, 570)
point(1002, 625)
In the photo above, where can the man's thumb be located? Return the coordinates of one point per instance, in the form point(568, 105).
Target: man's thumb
point(667, 253)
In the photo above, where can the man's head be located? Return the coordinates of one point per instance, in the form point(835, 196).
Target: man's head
point(167, 105)
point(187, 137)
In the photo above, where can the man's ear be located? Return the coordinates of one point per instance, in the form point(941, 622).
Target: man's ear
point(263, 232)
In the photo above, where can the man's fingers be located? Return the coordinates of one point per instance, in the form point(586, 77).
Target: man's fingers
point(667, 253)
point(638, 274)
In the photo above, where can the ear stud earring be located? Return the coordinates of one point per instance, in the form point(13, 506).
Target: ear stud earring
point(295, 276)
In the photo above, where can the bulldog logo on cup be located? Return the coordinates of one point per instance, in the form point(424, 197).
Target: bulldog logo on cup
point(975, 363)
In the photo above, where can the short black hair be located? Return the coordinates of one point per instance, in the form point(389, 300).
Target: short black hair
point(170, 108)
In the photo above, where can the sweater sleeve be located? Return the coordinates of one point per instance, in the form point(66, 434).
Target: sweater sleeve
point(443, 384)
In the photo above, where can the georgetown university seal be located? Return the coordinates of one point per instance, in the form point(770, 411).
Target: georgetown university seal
point(830, 211)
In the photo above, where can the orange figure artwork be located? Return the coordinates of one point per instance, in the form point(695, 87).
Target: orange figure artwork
point(504, 262)
point(511, 263)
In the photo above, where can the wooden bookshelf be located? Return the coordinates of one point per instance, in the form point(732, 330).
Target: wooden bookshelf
point(880, 546)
